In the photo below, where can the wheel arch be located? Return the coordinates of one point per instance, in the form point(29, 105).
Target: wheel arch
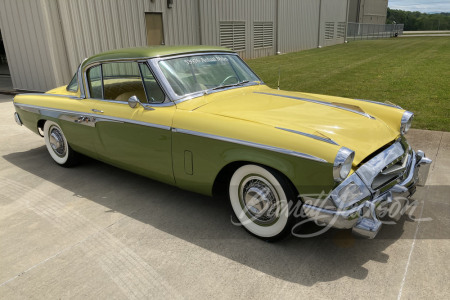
point(40, 126)
point(223, 177)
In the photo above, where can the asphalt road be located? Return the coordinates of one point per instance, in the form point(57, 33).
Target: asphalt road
point(95, 231)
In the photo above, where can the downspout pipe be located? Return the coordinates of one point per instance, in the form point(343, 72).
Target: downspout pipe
point(277, 20)
point(320, 24)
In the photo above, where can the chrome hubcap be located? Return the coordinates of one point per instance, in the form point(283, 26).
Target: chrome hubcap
point(259, 200)
point(56, 140)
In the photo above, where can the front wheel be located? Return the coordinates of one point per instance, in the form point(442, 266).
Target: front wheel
point(261, 199)
point(57, 145)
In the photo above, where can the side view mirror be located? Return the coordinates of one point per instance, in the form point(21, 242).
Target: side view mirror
point(134, 102)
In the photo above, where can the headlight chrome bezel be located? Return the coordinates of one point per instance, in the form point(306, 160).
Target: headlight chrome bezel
point(345, 200)
point(343, 164)
point(406, 122)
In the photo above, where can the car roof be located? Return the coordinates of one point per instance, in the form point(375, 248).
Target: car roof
point(150, 52)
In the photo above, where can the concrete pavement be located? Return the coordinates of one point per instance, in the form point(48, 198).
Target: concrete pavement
point(423, 35)
point(96, 231)
point(427, 32)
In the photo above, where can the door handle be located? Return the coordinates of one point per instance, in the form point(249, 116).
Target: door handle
point(97, 110)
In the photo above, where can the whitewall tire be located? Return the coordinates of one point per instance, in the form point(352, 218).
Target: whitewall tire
point(261, 199)
point(57, 145)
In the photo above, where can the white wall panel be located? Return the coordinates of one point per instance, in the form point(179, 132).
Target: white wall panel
point(28, 48)
point(298, 25)
point(45, 40)
point(212, 12)
point(332, 11)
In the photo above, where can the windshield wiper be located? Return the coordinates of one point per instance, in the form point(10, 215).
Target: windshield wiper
point(229, 85)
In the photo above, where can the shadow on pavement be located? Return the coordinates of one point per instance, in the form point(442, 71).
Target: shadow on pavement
point(205, 222)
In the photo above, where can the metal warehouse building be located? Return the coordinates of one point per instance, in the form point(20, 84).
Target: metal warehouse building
point(45, 40)
point(368, 11)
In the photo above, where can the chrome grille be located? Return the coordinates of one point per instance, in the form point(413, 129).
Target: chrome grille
point(393, 171)
point(387, 167)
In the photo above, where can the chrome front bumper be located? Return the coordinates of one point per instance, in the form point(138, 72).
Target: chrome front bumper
point(364, 219)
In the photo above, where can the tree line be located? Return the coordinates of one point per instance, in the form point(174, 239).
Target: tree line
point(415, 20)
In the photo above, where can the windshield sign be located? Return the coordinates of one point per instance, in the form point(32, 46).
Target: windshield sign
point(191, 74)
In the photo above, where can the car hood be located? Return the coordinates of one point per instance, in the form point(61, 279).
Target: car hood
point(338, 119)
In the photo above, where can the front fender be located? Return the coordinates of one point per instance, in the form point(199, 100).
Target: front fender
point(198, 160)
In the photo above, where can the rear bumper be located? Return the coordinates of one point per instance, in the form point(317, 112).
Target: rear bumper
point(17, 118)
point(364, 219)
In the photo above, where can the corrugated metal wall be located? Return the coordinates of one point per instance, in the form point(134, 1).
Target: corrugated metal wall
point(332, 11)
point(373, 11)
point(33, 44)
point(46, 40)
point(298, 25)
point(353, 11)
point(93, 26)
point(368, 11)
point(212, 12)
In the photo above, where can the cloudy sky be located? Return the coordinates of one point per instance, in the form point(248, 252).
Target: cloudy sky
point(421, 5)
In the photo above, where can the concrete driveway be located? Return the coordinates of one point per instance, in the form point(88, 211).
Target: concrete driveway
point(95, 231)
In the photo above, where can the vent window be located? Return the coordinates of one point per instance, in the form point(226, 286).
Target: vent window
point(262, 35)
point(329, 30)
point(341, 30)
point(232, 35)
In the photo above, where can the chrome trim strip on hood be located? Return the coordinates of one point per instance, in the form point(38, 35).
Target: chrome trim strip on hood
point(326, 140)
point(380, 103)
point(320, 102)
point(250, 144)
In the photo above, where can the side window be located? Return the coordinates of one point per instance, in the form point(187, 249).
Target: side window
point(94, 77)
point(73, 85)
point(152, 88)
point(122, 80)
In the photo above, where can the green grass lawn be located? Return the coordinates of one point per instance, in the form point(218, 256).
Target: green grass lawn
point(412, 72)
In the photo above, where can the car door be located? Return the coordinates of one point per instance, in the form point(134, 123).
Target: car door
point(76, 120)
point(137, 139)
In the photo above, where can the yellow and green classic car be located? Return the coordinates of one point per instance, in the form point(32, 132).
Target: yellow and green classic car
point(199, 118)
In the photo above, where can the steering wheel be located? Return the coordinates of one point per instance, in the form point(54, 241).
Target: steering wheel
point(228, 78)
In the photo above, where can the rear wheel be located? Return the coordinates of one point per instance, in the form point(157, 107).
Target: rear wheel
point(261, 199)
point(57, 145)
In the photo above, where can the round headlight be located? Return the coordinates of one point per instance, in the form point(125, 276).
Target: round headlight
point(406, 122)
point(343, 164)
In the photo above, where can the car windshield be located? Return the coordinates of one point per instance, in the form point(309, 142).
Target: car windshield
point(191, 74)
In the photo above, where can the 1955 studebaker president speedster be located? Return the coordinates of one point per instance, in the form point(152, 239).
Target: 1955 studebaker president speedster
point(199, 118)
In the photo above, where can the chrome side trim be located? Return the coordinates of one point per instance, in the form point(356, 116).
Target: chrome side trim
point(380, 103)
point(88, 119)
point(147, 105)
point(320, 102)
point(80, 81)
point(326, 140)
point(51, 95)
point(249, 144)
